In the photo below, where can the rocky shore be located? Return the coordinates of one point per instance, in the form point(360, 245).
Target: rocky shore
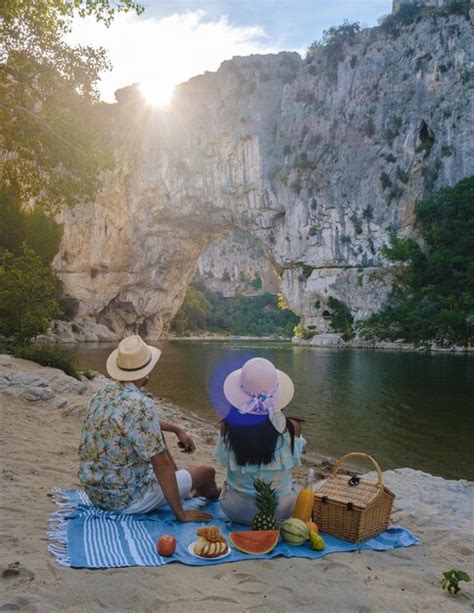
point(41, 411)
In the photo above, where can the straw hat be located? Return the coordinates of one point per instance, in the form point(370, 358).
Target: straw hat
point(132, 360)
point(258, 388)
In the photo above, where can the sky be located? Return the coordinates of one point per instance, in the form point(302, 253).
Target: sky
point(174, 40)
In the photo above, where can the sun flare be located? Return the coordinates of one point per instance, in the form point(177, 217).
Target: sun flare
point(157, 92)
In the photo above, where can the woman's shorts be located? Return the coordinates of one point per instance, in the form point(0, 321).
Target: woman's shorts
point(241, 509)
point(154, 497)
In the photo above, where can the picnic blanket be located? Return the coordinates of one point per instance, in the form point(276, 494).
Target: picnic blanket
point(82, 536)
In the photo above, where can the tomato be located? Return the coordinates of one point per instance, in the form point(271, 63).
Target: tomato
point(312, 526)
point(166, 545)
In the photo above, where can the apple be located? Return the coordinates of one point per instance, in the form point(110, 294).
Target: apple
point(166, 545)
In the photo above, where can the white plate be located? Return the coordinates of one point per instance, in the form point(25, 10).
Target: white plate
point(191, 551)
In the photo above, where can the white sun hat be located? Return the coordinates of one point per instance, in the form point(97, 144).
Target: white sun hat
point(132, 360)
point(258, 388)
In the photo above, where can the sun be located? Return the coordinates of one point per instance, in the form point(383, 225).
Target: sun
point(157, 92)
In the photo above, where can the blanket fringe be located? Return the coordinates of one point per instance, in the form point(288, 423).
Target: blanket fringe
point(57, 532)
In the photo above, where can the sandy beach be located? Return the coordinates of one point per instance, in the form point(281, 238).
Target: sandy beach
point(41, 414)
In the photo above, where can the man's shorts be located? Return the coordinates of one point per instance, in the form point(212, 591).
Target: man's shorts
point(154, 497)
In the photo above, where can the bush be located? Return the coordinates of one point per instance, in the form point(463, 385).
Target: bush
point(433, 297)
point(307, 270)
point(53, 356)
point(301, 332)
point(405, 16)
point(341, 318)
point(385, 180)
point(27, 296)
point(257, 282)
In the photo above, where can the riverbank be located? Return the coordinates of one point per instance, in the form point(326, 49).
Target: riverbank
point(88, 331)
point(335, 341)
point(41, 415)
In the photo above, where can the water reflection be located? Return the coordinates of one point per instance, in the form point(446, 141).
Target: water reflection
point(406, 409)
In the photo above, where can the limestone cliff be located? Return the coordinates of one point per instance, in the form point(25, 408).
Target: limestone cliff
point(315, 160)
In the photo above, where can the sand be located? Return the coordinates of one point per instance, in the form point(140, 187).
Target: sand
point(40, 416)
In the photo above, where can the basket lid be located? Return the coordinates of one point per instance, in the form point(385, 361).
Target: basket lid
point(344, 489)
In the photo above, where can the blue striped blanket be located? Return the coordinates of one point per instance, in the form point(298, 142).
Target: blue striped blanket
point(82, 536)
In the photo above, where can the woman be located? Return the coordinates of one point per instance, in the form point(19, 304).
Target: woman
point(257, 440)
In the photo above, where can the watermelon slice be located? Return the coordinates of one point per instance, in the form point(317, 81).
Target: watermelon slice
point(255, 541)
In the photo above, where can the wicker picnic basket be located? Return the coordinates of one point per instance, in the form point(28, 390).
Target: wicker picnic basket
point(352, 508)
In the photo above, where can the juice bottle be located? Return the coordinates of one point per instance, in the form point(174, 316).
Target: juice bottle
point(305, 499)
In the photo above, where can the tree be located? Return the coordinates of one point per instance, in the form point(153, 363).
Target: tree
point(34, 227)
point(433, 296)
point(193, 312)
point(53, 147)
point(27, 288)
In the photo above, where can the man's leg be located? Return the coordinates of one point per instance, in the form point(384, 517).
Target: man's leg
point(204, 482)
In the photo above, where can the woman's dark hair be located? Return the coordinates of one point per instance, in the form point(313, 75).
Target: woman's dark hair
point(252, 438)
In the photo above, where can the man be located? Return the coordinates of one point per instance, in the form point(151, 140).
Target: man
point(124, 463)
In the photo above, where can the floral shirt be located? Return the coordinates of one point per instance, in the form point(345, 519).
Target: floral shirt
point(120, 434)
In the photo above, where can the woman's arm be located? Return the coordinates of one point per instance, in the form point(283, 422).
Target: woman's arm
point(296, 425)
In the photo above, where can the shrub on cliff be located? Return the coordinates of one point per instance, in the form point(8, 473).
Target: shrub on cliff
point(330, 50)
point(433, 296)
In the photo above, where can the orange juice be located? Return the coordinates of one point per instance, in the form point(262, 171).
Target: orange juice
point(305, 499)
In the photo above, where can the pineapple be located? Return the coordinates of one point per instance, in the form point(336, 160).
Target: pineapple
point(267, 502)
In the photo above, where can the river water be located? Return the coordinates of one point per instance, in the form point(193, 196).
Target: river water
point(405, 409)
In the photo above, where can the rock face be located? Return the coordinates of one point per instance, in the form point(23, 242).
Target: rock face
point(236, 265)
point(316, 161)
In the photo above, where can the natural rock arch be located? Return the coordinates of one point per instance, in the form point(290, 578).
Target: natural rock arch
point(278, 148)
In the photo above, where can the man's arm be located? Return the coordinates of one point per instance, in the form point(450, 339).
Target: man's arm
point(166, 476)
point(185, 441)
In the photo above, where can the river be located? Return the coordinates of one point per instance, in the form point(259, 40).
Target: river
point(405, 409)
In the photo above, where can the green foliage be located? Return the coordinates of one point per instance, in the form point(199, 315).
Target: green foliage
point(402, 176)
point(433, 297)
point(257, 282)
point(27, 289)
point(35, 228)
point(286, 150)
point(368, 213)
point(341, 318)
point(424, 147)
point(451, 578)
point(303, 162)
point(390, 158)
point(193, 312)
point(314, 230)
point(345, 239)
point(307, 270)
point(330, 50)
point(405, 16)
point(357, 224)
point(300, 332)
point(50, 123)
point(385, 180)
point(263, 315)
point(282, 304)
point(408, 14)
point(53, 356)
